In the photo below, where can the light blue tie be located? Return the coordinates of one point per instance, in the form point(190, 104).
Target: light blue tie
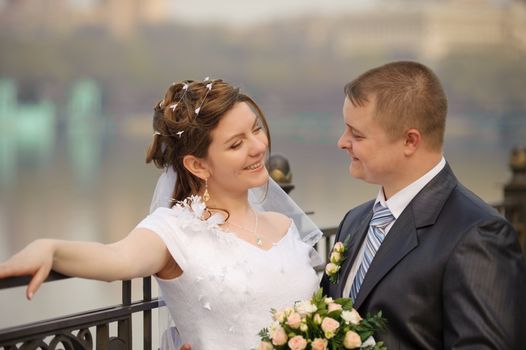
point(382, 217)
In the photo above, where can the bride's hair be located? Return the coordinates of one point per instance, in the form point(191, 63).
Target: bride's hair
point(183, 122)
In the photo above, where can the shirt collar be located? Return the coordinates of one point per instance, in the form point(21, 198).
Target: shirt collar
point(398, 202)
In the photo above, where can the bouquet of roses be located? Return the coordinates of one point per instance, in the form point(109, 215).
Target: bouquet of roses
point(321, 323)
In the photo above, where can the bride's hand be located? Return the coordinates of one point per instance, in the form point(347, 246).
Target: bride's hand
point(185, 347)
point(35, 260)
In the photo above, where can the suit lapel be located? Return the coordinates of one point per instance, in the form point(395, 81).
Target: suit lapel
point(422, 211)
point(399, 242)
point(357, 234)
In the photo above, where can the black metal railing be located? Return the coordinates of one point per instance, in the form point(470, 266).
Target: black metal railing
point(77, 331)
point(511, 211)
point(514, 213)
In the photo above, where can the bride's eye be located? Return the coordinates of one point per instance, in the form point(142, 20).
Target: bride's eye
point(236, 145)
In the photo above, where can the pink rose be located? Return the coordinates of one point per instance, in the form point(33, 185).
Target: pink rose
point(279, 337)
point(294, 320)
point(319, 344)
point(297, 343)
point(329, 327)
point(352, 340)
point(265, 346)
point(333, 307)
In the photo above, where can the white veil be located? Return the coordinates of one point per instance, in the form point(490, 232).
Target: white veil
point(264, 198)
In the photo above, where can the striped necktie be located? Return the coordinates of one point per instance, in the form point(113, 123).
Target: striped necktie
point(382, 217)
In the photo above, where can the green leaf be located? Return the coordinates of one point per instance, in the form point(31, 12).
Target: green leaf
point(346, 303)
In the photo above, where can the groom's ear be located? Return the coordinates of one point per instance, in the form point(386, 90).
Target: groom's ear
point(413, 140)
point(196, 166)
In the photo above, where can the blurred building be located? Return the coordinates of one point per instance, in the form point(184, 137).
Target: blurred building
point(121, 18)
point(429, 29)
point(450, 25)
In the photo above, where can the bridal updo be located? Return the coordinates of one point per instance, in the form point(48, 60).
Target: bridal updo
point(183, 122)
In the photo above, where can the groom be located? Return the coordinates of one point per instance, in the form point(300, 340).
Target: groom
point(444, 267)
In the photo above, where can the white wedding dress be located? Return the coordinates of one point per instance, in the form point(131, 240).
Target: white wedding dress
point(224, 297)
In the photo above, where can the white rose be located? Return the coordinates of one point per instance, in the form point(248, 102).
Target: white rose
point(351, 316)
point(279, 316)
point(336, 257)
point(339, 247)
point(272, 328)
point(305, 307)
point(331, 269)
point(369, 342)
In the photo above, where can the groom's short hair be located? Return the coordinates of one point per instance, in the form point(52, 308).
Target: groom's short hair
point(406, 95)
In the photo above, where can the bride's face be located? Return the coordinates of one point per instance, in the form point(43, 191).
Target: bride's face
point(237, 153)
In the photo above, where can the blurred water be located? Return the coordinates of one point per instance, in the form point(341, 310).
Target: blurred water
point(92, 184)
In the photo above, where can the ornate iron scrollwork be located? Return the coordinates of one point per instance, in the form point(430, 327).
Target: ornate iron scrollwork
point(83, 340)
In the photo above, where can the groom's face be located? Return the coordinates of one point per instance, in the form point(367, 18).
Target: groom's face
point(375, 157)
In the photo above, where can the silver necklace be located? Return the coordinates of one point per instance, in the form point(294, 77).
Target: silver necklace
point(254, 231)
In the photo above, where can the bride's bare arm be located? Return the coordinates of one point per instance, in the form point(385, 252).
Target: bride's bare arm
point(141, 253)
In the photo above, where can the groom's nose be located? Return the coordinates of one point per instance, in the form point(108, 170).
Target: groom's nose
point(344, 142)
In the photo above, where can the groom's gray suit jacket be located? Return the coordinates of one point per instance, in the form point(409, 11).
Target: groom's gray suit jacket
point(450, 273)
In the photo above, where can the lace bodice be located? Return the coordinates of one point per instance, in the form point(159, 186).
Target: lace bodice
point(228, 286)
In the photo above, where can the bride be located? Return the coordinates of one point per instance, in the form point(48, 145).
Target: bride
point(217, 241)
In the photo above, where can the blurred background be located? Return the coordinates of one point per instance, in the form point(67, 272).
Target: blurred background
point(79, 79)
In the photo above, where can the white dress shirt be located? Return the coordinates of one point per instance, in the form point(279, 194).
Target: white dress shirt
point(396, 204)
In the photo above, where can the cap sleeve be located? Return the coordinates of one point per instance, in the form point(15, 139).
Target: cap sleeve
point(164, 223)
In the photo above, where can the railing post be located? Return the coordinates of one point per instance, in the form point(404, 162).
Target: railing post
point(103, 337)
point(147, 314)
point(279, 170)
point(125, 326)
point(515, 194)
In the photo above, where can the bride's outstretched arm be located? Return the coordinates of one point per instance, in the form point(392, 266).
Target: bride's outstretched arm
point(141, 253)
